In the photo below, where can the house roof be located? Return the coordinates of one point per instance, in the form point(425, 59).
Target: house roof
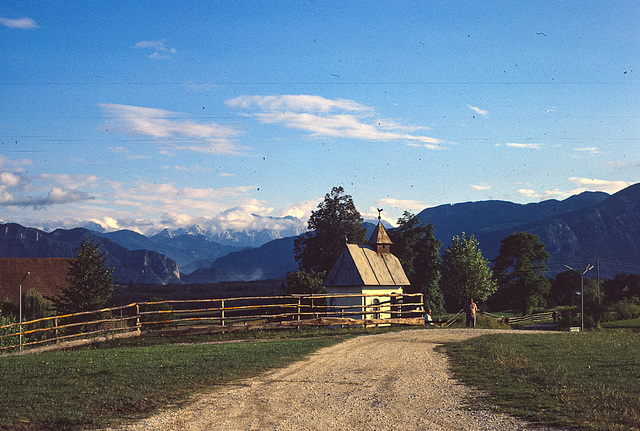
point(45, 275)
point(360, 265)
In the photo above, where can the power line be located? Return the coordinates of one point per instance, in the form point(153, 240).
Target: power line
point(327, 83)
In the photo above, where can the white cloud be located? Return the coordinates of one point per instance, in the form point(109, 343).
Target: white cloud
point(584, 184)
point(21, 23)
point(479, 111)
point(590, 150)
point(301, 210)
point(107, 223)
point(403, 204)
point(600, 185)
point(527, 192)
point(9, 179)
point(7, 163)
point(160, 51)
point(372, 216)
point(52, 201)
point(527, 146)
point(297, 103)
point(481, 186)
point(58, 195)
point(67, 181)
point(55, 196)
point(170, 131)
point(19, 190)
point(427, 146)
point(394, 125)
point(177, 220)
point(334, 118)
point(151, 198)
point(547, 194)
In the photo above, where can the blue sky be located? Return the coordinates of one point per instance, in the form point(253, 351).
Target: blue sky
point(143, 115)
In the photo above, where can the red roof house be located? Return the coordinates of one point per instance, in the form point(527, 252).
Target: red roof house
point(40, 274)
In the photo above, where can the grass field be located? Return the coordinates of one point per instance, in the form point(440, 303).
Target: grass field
point(94, 387)
point(588, 380)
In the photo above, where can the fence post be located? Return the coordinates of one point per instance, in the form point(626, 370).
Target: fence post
point(56, 333)
point(138, 316)
point(298, 311)
point(222, 312)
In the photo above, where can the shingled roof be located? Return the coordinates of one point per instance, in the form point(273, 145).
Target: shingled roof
point(372, 265)
point(45, 274)
point(359, 265)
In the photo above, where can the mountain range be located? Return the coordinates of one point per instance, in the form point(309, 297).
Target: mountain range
point(137, 266)
point(575, 231)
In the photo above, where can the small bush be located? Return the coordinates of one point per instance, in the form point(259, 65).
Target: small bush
point(490, 322)
point(8, 341)
point(163, 316)
point(34, 306)
point(627, 309)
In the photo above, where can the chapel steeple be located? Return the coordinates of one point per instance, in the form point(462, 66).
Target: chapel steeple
point(379, 240)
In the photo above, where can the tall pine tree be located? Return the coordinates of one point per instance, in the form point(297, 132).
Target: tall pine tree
point(90, 283)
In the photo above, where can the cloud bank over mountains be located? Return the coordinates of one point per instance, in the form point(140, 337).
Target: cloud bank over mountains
point(148, 206)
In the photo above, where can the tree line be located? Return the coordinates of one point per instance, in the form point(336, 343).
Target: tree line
point(448, 277)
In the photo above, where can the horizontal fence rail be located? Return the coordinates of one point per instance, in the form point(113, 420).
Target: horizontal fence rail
point(529, 318)
point(215, 315)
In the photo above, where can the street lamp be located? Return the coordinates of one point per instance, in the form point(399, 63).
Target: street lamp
point(586, 268)
point(20, 291)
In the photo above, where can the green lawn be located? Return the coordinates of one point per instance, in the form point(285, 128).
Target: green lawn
point(588, 380)
point(93, 387)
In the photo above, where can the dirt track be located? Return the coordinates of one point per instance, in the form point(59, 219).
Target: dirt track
point(393, 381)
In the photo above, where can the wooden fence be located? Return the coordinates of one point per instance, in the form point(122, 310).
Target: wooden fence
point(211, 315)
point(530, 318)
point(508, 320)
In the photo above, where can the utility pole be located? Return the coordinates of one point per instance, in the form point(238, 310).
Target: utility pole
point(586, 268)
point(26, 274)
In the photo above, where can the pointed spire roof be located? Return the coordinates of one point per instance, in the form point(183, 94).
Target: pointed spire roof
point(379, 240)
point(379, 236)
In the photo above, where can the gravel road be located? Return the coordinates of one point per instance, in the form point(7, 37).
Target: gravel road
point(392, 381)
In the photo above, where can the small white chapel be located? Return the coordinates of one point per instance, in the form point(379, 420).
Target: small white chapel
point(367, 270)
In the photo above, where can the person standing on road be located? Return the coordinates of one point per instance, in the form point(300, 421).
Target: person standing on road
point(428, 321)
point(470, 309)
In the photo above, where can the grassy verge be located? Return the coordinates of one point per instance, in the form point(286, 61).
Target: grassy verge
point(629, 323)
point(587, 380)
point(95, 387)
point(482, 321)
